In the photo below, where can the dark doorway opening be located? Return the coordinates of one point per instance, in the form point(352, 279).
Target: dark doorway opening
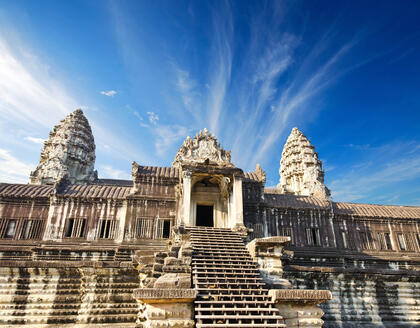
point(204, 216)
point(166, 229)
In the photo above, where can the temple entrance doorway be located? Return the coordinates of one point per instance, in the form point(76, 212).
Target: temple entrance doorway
point(205, 216)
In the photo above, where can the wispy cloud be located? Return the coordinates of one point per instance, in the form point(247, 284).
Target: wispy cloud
point(190, 95)
point(393, 163)
point(221, 65)
point(35, 140)
point(296, 97)
point(32, 100)
point(12, 169)
point(28, 94)
point(107, 171)
point(109, 93)
point(167, 136)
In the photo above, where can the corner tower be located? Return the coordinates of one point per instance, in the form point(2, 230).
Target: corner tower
point(300, 169)
point(69, 151)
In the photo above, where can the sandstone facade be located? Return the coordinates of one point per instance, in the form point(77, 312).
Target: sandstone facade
point(69, 151)
point(74, 248)
point(300, 169)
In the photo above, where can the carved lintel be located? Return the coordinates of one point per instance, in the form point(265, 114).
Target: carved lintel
point(300, 295)
point(174, 295)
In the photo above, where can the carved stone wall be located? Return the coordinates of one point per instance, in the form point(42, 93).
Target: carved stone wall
point(70, 150)
point(300, 169)
point(54, 294)
point(369, 300)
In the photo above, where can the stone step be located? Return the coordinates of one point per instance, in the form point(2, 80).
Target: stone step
point(229, 283)
point(229, 280)
point(239, 317)
point(237, 303)
point(58, 306)
point(213, 260)
point(240, 325)
point(235, 309)
point(51, 319)
point(233, 291)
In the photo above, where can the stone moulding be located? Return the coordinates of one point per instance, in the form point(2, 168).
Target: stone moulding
point(284, 240)
point(300, 295)
point(173, 295)
point(299, 307)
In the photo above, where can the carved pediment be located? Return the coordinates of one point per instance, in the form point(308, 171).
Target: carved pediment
point(204, 148)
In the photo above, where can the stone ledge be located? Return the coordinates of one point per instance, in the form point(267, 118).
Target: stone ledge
point(300, 268)
point(160, 295)
point(272, 240)
point(300, 295)
point(58, 264)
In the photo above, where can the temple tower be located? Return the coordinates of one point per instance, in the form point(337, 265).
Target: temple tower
point(69, 151)
point(300, 169)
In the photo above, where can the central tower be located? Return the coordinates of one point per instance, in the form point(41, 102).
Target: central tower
point(210, 188)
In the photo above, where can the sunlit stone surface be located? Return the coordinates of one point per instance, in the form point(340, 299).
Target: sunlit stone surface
point(300, 169)
point(166, 249)
point(70, 150)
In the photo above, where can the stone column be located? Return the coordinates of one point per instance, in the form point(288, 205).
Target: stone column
point(186, 201)
point(52, 228)
point(238, 214)
point(299, 307)
point(121, 215)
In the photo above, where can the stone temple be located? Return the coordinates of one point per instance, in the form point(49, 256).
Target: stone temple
point(200, 243)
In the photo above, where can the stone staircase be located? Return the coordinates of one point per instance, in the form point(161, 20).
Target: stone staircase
point(231, 291)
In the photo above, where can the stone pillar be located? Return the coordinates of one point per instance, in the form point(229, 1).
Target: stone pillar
point(121, 215)
point(52, 224)
point(299, 307)
point(186, 201)
point(238, 214)
point(167, 307)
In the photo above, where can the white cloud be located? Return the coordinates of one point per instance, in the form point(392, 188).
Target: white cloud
point(221, 67)
point(393, 163)
point(109, 93)
point(153, 117)
point(112, 173)
point(189, 93)
point(136, 114)
point(12, 169)
point(168, 135)
point(28, 94)
point(35, 140)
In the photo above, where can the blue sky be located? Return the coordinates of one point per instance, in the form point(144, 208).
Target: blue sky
point(149, 73)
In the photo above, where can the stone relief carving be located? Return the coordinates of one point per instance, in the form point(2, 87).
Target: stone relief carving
point(204, 148)
point(70, 150)
point(300, 169)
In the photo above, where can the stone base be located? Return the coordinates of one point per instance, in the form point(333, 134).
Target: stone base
point(299, 307)
point(167, 308)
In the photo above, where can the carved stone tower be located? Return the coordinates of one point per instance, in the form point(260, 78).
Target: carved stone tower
point(300, 169)
point(69, 151)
